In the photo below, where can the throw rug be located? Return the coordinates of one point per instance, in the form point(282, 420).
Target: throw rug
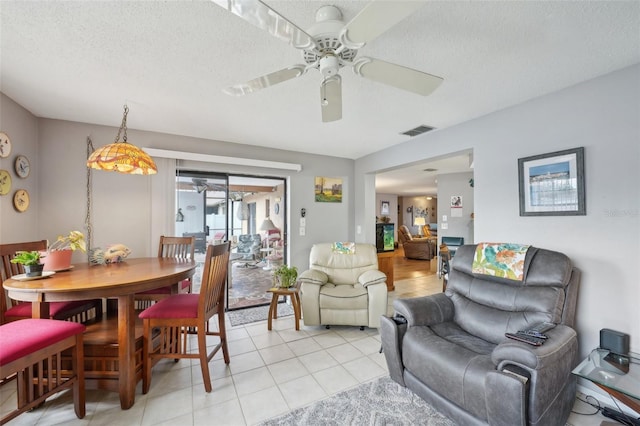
point(380, 402)
point(259, 313)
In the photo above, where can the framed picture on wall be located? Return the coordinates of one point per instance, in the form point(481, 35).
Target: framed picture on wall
point(384, 208)
point(328, 189)
point(552, 184)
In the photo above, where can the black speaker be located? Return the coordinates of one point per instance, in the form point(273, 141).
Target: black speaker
point(614, 341)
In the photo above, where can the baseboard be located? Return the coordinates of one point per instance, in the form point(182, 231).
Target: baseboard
point(604, 399)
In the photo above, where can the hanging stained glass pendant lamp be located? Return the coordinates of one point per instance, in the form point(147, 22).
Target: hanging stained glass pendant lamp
point(121, 156)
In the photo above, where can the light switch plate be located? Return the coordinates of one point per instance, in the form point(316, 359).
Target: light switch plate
point(445, 226)
point(444, 217)
point(303, 222)
point(302, 231)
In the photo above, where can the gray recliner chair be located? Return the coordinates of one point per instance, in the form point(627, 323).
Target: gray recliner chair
point(450, 348)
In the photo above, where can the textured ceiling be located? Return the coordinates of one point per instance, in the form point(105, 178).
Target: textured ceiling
point(169, 61)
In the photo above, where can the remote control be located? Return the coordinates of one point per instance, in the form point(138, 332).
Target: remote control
point(533, 333)
point(542, 327)
point(535, 341)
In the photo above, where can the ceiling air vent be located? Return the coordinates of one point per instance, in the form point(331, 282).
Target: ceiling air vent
point(418, 130)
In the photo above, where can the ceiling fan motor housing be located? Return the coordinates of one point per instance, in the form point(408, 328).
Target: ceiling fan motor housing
point(325, 32)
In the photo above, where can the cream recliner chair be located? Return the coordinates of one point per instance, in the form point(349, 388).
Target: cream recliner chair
point(343, 289)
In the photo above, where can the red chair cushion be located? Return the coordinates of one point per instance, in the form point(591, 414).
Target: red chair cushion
point(23, 310)
point(167, 290)
point(176, 306)
point(23, 337)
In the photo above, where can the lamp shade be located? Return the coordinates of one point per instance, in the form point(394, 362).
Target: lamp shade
point(267, 225)
point(122, 157)
point(243, 211)
point(419, 221)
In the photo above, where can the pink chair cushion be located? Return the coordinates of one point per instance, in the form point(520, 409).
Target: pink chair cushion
point(167, 290)
point(176, 306)
point(23, 310)
point(23, 337)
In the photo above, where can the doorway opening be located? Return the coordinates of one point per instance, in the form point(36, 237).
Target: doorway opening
point(250, 212)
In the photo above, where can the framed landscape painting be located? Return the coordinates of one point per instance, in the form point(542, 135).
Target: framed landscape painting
point(552, 184)
point(328, 189)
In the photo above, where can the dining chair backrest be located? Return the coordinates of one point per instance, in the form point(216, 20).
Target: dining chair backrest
point(182, 247)
point(8, 252)
point(214, 277)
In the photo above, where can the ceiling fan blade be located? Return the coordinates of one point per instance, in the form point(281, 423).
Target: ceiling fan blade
point(397, 76)
point(262, 16)
point(331, 99)
point(265, 81)
point(376, 18)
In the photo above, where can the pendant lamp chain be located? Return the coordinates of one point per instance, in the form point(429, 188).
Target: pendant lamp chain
point(87, 221)
point(123, 126)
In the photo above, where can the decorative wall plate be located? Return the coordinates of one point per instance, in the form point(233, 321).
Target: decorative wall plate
point(5, 182)
point(22, 166)
point(5, 145)
point(21, 200)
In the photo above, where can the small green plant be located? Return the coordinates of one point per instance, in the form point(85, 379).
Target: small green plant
point(73, 241)
point(285, 276)
point(27, 258)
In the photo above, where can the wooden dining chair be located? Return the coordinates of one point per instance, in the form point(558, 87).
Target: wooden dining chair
point(11, 310)
point(33, 359)
point(179, 315)
point(180, 247)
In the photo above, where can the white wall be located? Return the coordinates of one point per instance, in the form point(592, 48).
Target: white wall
point(454, 185)
point(602, 115)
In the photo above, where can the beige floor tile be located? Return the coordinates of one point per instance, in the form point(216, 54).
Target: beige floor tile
point(316, 361)
point(304, 346)
point(287, 370)
point(368, 345)
point(302, 391)
point(246, 362)
point(241, 346)
point(275, 354)
point(262, 341)
point(225, 413)
point(262, 405)
point(335, 379)
point(345, 352)
point(253, 381)
point(364, 369)
point(168, 406)
point(222, 390)
point(292, 335)
point(329, 339)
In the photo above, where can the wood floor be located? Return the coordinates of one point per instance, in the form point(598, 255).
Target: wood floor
point(404, 268)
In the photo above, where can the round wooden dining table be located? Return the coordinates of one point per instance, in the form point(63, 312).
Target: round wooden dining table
point(117, 280)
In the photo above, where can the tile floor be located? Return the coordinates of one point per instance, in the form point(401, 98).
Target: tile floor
point(271, 373)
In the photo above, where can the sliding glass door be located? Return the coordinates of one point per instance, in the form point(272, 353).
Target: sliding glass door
point(249, 211)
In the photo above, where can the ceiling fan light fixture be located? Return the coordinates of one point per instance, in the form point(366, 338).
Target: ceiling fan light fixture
point(122, 156)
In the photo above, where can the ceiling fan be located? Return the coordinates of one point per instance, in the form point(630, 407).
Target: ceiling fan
point(329, 45)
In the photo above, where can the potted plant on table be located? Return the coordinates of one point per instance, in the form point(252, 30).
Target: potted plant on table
point(285, 276)
point(30, 260)
point(58, 257)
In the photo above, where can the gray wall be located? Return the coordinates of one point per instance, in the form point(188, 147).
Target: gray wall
point(603, 116)
point(122, 203)
point(454, 185)
point(22, 128)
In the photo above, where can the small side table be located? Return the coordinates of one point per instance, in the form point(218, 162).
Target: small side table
point(295, 302)
point(618, 375)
